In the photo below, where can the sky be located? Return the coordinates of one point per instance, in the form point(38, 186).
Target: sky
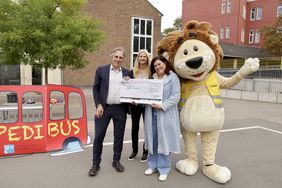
point(171, 9)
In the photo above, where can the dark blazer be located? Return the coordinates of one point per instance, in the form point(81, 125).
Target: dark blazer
point(101, 83)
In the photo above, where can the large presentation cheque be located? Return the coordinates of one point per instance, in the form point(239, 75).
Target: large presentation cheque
point(142, 91)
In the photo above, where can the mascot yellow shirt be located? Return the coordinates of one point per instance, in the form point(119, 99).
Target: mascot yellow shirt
point(212, 86)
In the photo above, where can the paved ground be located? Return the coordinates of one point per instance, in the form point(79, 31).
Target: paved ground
point(250, 145)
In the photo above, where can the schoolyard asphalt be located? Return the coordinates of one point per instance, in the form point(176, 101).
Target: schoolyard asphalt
point(249, 145)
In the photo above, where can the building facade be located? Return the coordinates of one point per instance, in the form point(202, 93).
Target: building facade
point(134, 25)
point(237, 22)
point(27, 75)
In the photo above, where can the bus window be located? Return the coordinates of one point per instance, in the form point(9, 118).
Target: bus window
point(8, 107)
point(57, 105)
point(75, 106)
point(32, 107)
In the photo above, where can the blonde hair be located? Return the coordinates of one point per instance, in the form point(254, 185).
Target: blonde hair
point(136, 67)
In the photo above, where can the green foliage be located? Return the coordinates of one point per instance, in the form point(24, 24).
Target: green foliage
point(177, 25)
point(273, 38)
point(167, 30)
point(49, 33)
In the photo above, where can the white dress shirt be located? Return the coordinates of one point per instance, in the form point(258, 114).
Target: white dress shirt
point(114, 86)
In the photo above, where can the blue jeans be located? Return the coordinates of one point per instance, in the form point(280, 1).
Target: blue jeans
point(157, 160)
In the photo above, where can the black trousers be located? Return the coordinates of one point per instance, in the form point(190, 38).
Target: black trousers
point(136, 112)
point(117, 113)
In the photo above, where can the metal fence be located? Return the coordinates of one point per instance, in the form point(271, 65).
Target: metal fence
point(267, 80)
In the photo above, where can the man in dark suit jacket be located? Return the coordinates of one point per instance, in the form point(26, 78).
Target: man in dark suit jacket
point(106, 97)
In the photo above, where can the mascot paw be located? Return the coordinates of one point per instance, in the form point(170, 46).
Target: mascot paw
point(187, 167)
point(217, 173)
point(251, 65)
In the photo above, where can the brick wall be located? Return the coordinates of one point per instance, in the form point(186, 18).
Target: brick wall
point(116, 23)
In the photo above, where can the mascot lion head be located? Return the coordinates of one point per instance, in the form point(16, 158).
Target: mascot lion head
point(192, 52)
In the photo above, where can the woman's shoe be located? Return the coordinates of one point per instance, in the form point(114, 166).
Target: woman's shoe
point(144, 158)
point(149, 171)
point(132, 156)
point(163, 177)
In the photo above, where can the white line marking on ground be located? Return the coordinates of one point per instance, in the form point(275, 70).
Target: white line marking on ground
point(65, 153)
point(271, 130)
point(225, 130)
point(88, 145)
point(239, 129)
point(111, 143)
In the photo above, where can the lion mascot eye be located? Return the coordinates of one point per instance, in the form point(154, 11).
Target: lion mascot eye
point(195, 48)
point(185, 52)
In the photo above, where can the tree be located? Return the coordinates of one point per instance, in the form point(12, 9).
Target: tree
point(177, 25)
point(48, 33)
point(273, 38)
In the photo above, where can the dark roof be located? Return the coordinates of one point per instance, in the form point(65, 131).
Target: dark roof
point(238, 51)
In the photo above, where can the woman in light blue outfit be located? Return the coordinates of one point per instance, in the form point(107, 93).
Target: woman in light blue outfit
point(162, 126)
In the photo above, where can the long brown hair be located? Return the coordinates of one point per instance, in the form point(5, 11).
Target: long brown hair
point(164, 60)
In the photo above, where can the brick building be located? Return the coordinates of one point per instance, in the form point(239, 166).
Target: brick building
point(131, 24)
point(238, 24)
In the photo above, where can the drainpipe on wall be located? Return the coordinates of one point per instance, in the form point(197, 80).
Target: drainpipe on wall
point(43, 76)
point(62, 76)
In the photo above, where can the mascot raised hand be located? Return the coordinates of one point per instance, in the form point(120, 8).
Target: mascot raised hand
point(195, 54)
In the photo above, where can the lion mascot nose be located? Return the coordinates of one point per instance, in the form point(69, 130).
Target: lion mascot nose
point(194, 63)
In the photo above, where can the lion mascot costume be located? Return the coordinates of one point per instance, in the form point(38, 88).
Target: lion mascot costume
point(195, 53)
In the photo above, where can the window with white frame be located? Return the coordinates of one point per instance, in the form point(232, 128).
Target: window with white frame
point(228, 8)
point(257, 37)
point(227, 32)
point(259, 13)
point(253, 14)
point(244, 12)
point(243, 35)
point(222, 32)
point(142, 36)
point(251, 36)
point(279, 10)
point(223, 6)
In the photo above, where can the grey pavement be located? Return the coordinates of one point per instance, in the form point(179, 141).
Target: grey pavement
point(249, 145)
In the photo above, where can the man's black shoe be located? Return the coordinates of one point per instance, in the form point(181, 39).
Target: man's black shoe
point(118, 166)
point(94, 170)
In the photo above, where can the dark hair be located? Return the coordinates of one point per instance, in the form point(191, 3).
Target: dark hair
point(164, 60)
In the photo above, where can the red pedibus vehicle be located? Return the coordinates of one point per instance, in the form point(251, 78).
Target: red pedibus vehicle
point(37, 119)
